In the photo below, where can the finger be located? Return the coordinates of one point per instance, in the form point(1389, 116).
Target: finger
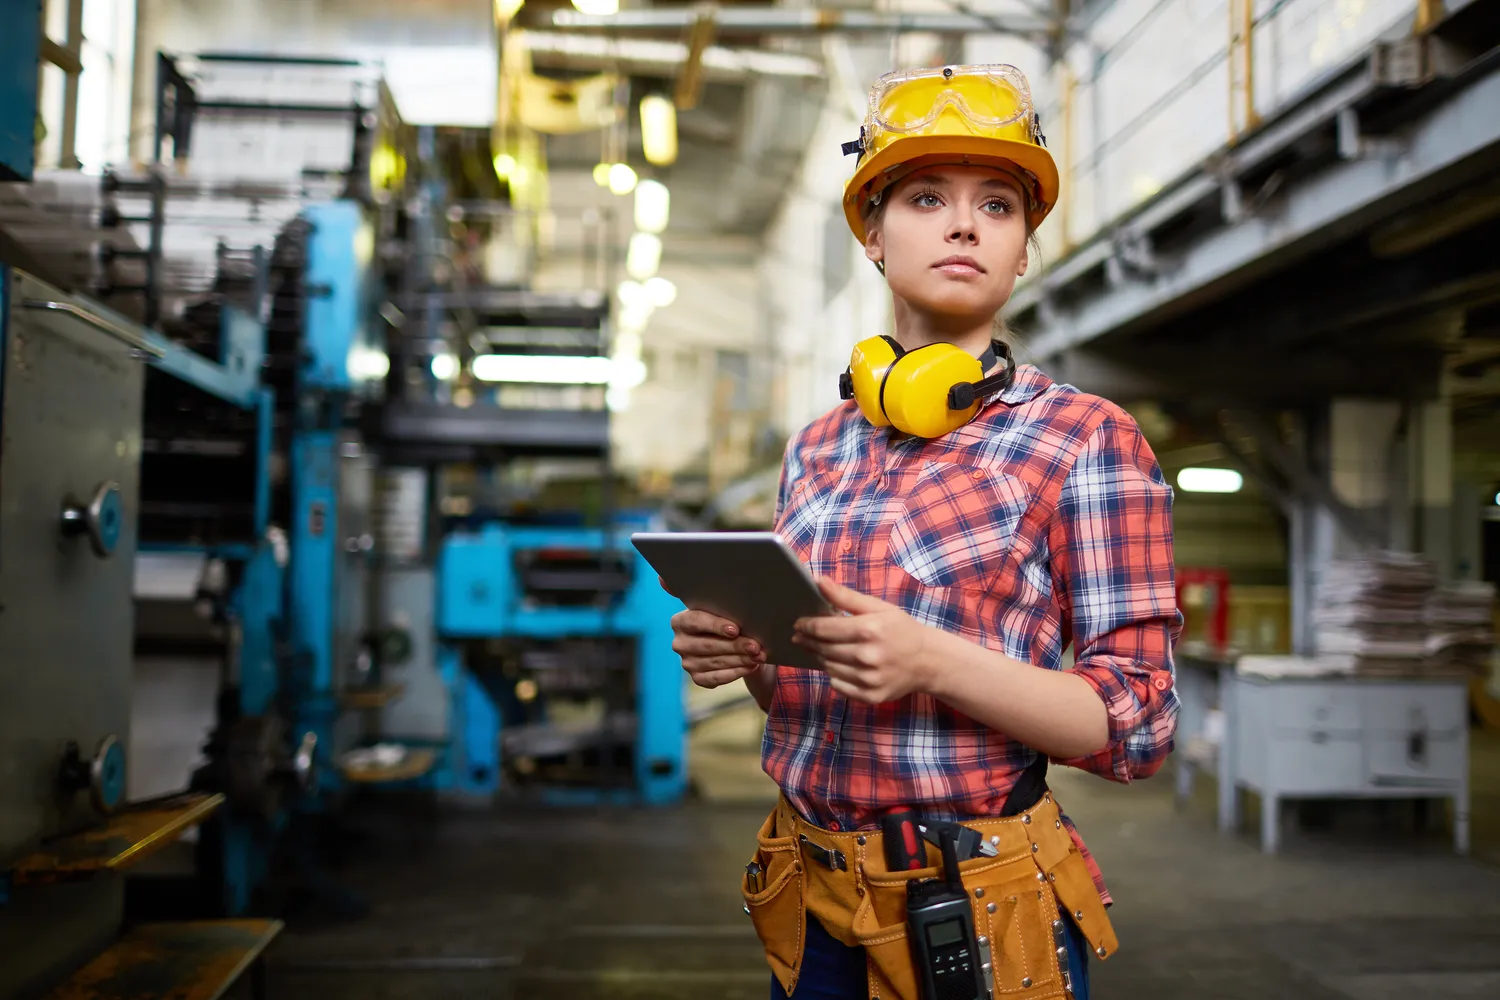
point(830, 629)
point(688, 644)
point(703, 623)
point(853, 691)
point(853, 601)
point(706, 664)
point(845, 654)
point(716, 678)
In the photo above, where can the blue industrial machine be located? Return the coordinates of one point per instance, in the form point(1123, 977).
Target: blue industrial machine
point(533, 619)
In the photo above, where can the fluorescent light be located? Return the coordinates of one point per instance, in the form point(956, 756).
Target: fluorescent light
point(653, 205)
point(597, 8)
point(505, 165)
point(643, 256)
point(660, 292)
point(659, 130)
point(444, 367)
point(366, 364)
point(553, 369)
point(506, 9)
point(601, 174)
point(634, 317)
point(1198, 480)
point(617, 398)
point(621, 178)
point(632, 294)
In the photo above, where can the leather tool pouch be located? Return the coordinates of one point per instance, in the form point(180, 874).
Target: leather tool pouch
point(1019, 899)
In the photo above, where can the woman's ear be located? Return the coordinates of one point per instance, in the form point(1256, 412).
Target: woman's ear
point(1024, 262)
point(875, 246)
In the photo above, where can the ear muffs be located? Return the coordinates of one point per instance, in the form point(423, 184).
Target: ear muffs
point(868, 365)
point(927, 392)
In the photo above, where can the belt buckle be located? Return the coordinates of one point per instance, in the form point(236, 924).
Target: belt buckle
point(830, 857)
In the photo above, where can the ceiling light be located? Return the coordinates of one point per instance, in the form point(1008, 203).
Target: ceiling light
point(505, 165)
point(653, 205)
point(444, 367)
point(550, 368)
point(621, 178)
point(1199, 480)
point(632, 294)
point(659, 130)
point(506, 9)
point(643, 256)
point(617, 398)
point(597, 8)
point(366, 364)
point(601, 174)
point(660, 292)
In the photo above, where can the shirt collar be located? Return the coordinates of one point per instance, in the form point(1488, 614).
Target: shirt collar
point(1028, 384)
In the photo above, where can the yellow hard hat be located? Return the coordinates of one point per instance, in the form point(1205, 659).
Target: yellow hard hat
point(979, 115)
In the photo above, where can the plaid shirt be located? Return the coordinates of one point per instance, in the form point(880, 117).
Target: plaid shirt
point(1045, 521)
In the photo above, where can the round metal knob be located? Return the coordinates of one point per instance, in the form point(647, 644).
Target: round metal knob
point(102, 519)
point(103, 774)
point(107, 775)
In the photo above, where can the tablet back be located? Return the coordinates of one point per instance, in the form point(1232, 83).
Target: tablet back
point(751, 578)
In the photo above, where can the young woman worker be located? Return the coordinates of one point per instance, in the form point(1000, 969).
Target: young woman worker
point(972, 518)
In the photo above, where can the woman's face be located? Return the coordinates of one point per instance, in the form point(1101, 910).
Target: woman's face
point(953, 241)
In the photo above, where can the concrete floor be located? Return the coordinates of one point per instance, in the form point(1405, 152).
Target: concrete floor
point(624, 904)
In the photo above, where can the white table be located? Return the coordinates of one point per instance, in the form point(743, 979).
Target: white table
point(1342, 737)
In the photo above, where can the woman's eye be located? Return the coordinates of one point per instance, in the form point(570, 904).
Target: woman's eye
point(926, 200)
point(998, 206)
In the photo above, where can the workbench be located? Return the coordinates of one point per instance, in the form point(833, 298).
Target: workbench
point(1325, 737)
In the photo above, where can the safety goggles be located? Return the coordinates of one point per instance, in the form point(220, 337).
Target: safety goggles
point(989, 97)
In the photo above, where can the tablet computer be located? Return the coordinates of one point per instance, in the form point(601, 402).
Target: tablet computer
point(752, 578)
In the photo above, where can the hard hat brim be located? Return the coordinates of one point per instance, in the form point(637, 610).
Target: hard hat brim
point(911, 153)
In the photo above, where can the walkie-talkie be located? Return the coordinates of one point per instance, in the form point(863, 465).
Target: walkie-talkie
point(940, 924)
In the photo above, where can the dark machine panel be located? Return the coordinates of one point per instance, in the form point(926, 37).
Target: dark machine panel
point(69, 448)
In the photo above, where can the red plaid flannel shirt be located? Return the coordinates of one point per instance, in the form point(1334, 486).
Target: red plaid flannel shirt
point(1043, 522)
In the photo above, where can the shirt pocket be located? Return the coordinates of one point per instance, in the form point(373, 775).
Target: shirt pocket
point(806, 511)
point(957, 525)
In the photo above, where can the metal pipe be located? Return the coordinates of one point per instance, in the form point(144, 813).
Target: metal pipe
point(131, 338)
point(68, 158)
point(782, 21)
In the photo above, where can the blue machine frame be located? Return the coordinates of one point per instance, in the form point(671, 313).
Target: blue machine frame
point(480, 597)
point(20, 53)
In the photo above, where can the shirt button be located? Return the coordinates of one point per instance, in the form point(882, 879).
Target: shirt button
point(847, 546)
point(1161, 683)
point(977, 474)
point(828, 736)
point(834, 826)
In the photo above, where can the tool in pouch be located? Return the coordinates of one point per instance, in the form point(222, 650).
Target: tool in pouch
point(951, 960)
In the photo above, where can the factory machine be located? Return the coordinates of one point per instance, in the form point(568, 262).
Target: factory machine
point(184, 641)
point(81, 388)
point(559, 646)
point(548, 666)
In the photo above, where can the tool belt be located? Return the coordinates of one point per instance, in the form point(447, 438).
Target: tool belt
point(802, 872)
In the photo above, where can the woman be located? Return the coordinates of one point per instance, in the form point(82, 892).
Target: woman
point(970, 529)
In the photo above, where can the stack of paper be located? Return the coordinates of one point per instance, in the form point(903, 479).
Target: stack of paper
point(1460, 620)
point(1373, 608)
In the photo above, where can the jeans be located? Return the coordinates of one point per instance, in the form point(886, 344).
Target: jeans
point(831, 970)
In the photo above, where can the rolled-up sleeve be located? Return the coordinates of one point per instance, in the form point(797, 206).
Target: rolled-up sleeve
point(1112, 568)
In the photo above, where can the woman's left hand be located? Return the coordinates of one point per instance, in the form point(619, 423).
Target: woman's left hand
point(875, 654)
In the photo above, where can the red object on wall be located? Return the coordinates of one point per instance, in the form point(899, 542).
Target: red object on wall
point(1217, 580)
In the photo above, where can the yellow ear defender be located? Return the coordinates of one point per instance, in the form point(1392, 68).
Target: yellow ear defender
point(926, 392)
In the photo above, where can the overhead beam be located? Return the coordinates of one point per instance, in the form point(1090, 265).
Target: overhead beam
point(787, 21)
point(1319, 208)
point(649, 57)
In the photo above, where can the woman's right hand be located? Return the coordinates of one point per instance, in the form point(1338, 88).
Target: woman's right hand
point(713, 651)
